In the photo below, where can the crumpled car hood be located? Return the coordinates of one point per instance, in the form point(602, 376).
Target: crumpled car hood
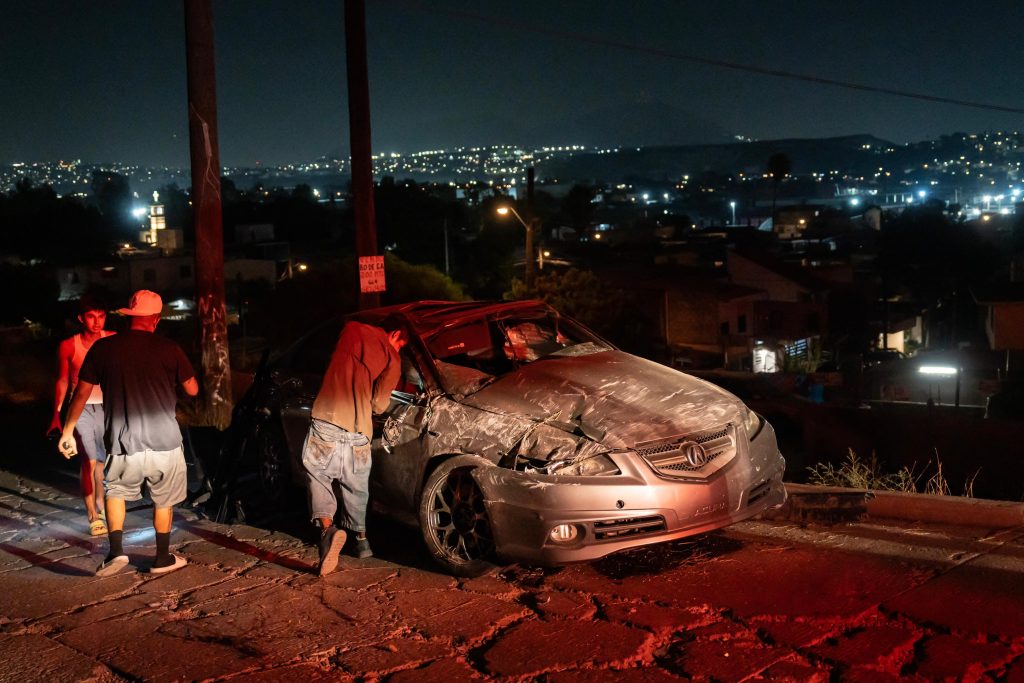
point(612, 397)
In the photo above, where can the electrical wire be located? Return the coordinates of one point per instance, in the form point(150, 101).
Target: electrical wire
point(539, 29)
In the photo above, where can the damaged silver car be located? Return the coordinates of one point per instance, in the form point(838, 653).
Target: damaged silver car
point(517, 433)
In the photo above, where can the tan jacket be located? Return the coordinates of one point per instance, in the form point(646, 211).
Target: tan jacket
point(363, 371)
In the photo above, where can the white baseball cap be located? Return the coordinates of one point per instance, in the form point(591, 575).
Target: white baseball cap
point(144, 302)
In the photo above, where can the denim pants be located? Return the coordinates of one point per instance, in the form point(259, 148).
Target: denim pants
point(332, 454)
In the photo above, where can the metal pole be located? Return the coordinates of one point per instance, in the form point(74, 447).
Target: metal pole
point(531, 225)
point(359, 138)
point(209, 256)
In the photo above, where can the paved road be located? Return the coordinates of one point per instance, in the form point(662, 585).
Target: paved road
point(765, 600)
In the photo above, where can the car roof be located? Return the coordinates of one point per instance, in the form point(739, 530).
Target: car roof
point(428, 316)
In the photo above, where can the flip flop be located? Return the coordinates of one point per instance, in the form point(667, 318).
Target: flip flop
point(112, 566)
point(97, 527)
point(179, 562)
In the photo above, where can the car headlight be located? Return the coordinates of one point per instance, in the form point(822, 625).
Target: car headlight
point(595, 465)
point(752, 422)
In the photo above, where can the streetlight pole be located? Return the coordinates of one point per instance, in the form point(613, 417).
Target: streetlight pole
point(732, 205)
point(529, 227)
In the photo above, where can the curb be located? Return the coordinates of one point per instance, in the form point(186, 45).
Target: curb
point(834, 503)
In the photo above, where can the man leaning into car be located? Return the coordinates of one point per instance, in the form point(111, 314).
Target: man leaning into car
point(363, 371)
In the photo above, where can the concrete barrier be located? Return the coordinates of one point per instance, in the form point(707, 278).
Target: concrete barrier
point(843, 504)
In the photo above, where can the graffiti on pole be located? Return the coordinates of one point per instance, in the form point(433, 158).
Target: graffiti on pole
point(216, 367)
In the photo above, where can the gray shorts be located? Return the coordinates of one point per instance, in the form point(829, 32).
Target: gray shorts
point(163, 472)
point(89, 432)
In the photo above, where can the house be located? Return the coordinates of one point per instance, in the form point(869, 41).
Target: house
point(790, 318)
point(1004, 318)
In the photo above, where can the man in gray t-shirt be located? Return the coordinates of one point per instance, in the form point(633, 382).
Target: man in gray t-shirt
point(139, 375)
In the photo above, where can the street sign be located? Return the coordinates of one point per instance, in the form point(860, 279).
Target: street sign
point(371, 274)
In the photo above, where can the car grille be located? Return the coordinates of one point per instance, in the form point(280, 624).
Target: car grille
point(631, 526)
point(670, 457)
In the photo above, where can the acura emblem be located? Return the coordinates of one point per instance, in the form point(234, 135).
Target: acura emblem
point(695, 454)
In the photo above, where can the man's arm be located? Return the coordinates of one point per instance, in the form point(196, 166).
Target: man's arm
point(67, 444)
point(386, 382)
point(64, 353)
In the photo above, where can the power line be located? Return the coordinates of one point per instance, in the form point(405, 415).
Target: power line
point(539, 29)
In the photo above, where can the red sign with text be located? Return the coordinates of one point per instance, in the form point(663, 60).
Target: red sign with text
point(371, 274)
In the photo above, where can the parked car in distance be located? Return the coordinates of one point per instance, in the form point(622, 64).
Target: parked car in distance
point(517, 434)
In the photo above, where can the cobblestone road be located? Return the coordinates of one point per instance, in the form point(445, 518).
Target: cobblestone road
point(762, 601)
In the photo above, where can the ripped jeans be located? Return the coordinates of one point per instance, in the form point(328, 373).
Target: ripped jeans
point(331, 454)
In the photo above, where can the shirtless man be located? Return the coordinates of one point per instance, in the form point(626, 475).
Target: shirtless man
point(89, 429)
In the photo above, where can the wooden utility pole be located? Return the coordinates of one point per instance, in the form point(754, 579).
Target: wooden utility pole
point(359, 138)
point(532, 226)
point(206, 209)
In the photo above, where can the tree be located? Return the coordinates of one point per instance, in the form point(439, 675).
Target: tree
point(578, 207)
point(113, 196)
point(304, 192)
point(486, 264)
point(579, 294)
point(36, 224)
point(937, 260)
point(176, 208)
point(330, 289)
point(28, 293)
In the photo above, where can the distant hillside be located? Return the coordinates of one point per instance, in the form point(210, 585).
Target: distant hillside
point(630, 124)
point(671, 163)
point(633, 123)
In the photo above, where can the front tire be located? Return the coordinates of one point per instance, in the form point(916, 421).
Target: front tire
point(454, 520)
point(271, 457)
point(265, 492)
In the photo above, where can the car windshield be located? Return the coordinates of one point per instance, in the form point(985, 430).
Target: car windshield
point(474, 354)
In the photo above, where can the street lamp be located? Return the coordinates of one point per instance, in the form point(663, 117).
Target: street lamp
point(504, 211)
point(732, 205)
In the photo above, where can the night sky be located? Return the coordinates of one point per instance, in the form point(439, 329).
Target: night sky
point(105, 81)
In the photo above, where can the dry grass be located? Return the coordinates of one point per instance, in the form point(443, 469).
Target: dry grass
point(860, 474)
point(866, 474)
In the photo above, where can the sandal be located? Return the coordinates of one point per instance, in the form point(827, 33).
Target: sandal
point(97, 527)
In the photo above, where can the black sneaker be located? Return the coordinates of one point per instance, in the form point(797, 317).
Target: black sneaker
point(331, 540)
point(361, 549)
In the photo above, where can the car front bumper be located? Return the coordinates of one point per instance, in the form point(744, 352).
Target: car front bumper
point(635, 508)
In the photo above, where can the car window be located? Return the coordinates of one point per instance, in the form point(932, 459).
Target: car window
point(475, 353)
point(411, 381)
point(531, 338)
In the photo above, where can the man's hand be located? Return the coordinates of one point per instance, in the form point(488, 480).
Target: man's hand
point(67, 446)
point(54, 425)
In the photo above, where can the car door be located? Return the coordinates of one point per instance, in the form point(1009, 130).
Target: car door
point(399, 442)
point(297, 379)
